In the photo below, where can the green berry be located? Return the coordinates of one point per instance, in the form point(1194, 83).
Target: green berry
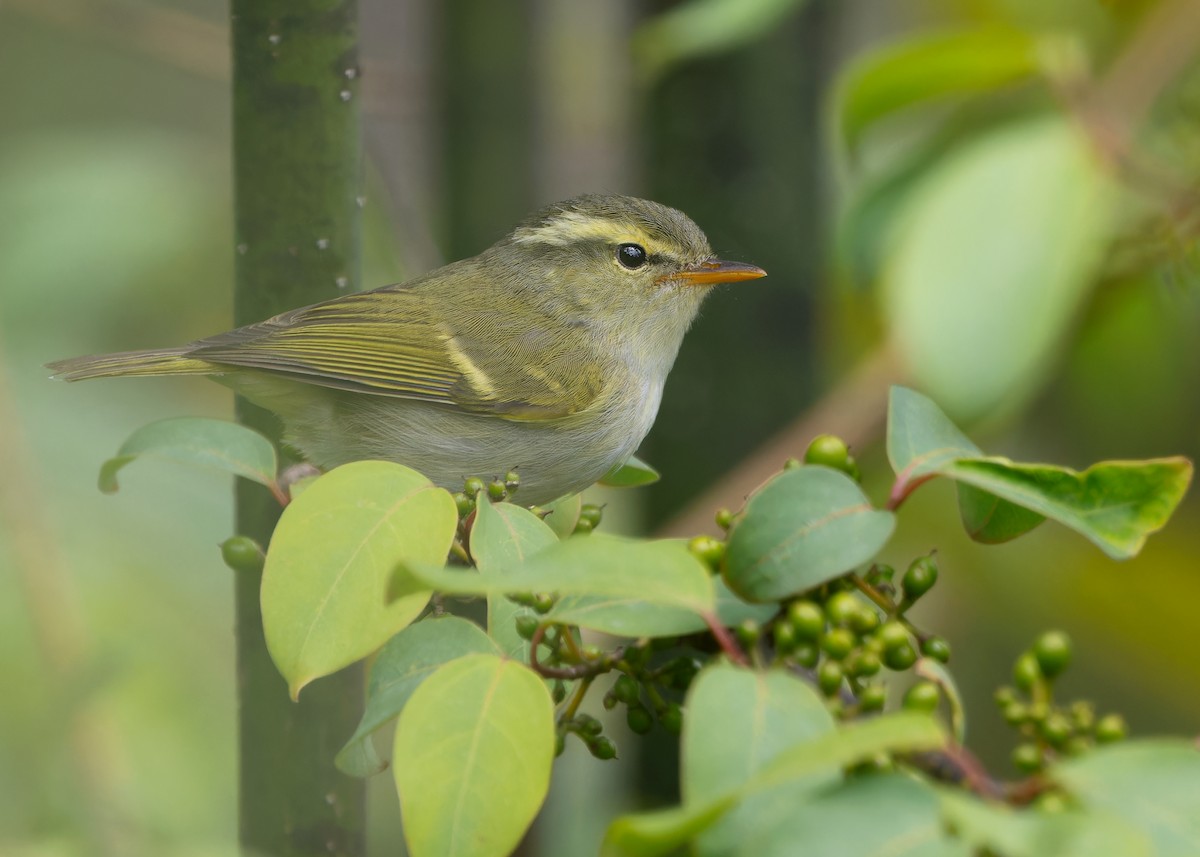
point(626, 689)
point(1076, 745)
point(922, 696)
point(1027, 758)
point(584, 526)
point(852, 469)
point(783, 632)
point(1056, 729)
point(865, 621)
point(682, 671)
point(559, 693)
point(602, 748)
point(901, 657)
point(464, 504)
point(1083, 715)
point(542, 602)
point(873, 697)
point(808, 618)
point(936, 648)
point(791, 464)
point(1015, 713)
point(829, 677)
point(708, 550)
point(892, 635)
point(806, 655)
point(1026, 672)
point(639, 719)
point(588, 725)
point(1004, 696)
point(724, 519)
point(1053, 653)
point(512, 481)
point(880, 573)
point(842, 607)
point(863, 663)
point(1110, 728)
point(473, 486)
point(526, 625)
point(748, 631)
point(672, 718)
point(837, 643)
point(828, 450)
point(591, 513)
point(243, 554)
point(609, 701)
point(920, 577)
point(497, 491)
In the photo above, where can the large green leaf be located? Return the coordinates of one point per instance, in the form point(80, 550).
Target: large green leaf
point(331, 558)
point(218, 444)
point(993, 257)
point(699, 28)
point(660, 832)
point(408, 659)
point(655, 572)
point(738, 720)
point(1028, 833)
point(804, 527)
point(503, 537)
point(472, 757)
point(1115, 504)
point(633, 617)
point(890, 814)
point(1154, 786)
point(928, 67)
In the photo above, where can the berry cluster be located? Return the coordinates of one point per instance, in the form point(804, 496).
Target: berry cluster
point(1050, 729)
point(846, 640)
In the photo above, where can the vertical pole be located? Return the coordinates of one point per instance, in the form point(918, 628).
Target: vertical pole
point(297, 180)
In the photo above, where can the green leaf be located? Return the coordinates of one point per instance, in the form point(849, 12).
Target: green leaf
point(990, 520)
point(737, 721)
point(1028, 833)
point(992, 260)
point(888, 814)
point(503, 536)
point(804, 527)
point(701, 28)
point(408, 659)
point(472, 755)
point(929, 67)
point(331, 559)
point(921, 439)
point(1151, 785)
point(1115, 504)
point(563, 515)
point(902, 731)
point(655, 572)
point(218, 444)
point(633, 473)
point(648, 834)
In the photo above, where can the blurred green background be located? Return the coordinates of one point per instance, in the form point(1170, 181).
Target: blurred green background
point(958, 237)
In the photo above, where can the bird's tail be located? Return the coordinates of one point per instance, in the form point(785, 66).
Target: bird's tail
point(155, 361)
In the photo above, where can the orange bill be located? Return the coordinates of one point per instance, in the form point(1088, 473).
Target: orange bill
point(714, 271)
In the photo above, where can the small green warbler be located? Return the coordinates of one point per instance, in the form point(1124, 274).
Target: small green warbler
point(545, 354)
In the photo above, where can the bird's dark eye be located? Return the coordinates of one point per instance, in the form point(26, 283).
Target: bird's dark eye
point(631, 256)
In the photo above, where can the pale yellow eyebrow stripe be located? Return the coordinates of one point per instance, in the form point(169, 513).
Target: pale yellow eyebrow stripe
point(571, 226)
